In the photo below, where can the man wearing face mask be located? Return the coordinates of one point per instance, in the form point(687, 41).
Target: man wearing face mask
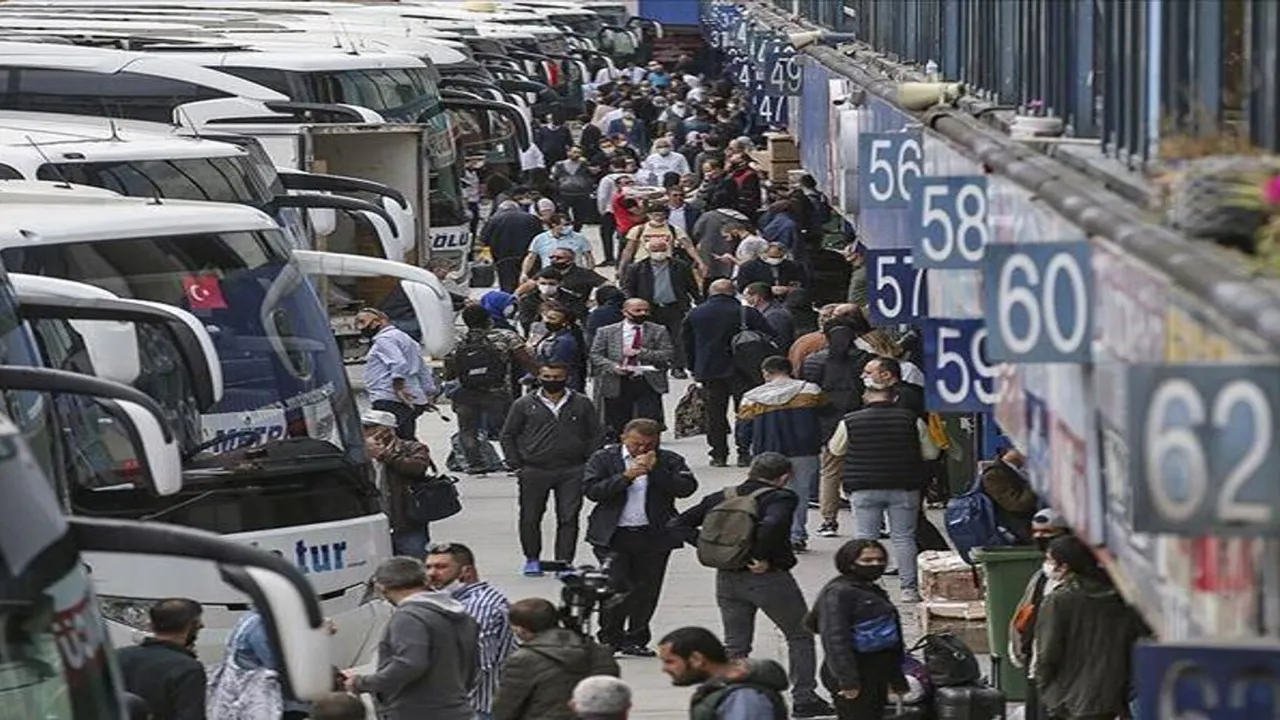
point(163, 670)
point(630, 128)
point(885, 373)
point(558, 236)
point(395, 376)
point(398, 464)
point(1046, 526)
point(564, 281)
point(618, 351)
point(451, 568)
point(574, 185)
point(670, 288)
point(663, 160)
point(773, 268)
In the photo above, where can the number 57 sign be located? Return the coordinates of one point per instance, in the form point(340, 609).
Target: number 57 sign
point(1203, 455)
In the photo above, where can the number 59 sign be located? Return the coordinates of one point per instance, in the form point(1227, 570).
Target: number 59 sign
point(1203, 458)
point(958, 376)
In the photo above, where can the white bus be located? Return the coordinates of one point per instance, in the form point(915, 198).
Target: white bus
point(304, 488)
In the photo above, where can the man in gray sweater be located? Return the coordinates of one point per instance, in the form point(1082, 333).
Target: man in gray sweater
point(427, 656)
point(547, 438)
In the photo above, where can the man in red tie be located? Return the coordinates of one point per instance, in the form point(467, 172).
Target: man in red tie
point(630, 361)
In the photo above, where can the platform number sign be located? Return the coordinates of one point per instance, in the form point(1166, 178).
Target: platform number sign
point(1038, 299)
point(1204, 457)
point(773, 110)
point(888, 166)
point(896, 292)
point(1223, 680)
point(949, 221)
point(784, 75)
point(959, 377)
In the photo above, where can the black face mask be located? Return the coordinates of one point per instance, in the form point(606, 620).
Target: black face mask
point(868, 573)
point(562, 264)
point(1042, 543)
point(553, 387)
point(638, 318)
point(369, 330)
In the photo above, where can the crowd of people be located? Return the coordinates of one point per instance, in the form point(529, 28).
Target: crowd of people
point(570, 371)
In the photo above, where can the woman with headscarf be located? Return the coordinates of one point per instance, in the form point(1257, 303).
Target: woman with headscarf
point(861, 633)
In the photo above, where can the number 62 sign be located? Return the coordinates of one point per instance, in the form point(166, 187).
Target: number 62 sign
point(1203, 458)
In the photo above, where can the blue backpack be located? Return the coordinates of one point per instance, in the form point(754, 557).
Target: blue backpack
point(972, 522)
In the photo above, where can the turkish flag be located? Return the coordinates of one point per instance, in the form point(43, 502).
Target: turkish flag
point(203, 292)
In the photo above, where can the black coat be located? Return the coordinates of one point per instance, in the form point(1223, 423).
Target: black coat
point(605, 485)
point(708, 335)
point(510, 232)
point(168, 677)
point(841, 604)
point(638, 282)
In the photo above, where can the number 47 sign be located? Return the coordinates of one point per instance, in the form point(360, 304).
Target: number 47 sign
point(1203, 453)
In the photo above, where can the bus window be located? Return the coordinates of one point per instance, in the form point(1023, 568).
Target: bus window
point(121, 94)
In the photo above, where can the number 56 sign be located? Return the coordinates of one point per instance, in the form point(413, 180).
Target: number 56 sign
point(1203, 458)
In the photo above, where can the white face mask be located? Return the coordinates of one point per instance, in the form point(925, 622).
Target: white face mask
point(1051, 570)
point(547, 289)
point(659, 256)
point(872, 383)
point(773, 260)
point(664, 151)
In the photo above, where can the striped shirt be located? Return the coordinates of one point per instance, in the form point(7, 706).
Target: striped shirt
point(489, 608)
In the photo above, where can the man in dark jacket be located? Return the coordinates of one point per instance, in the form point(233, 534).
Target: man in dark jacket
point(403, 462)
point(635, 486)
point(708, 334)
point(774, 269)
point(760, 296)
point(539, 677)
point(547, 438)
point(886, 373)
point(729, 688)
point(669, 285)
point(884, 448)
point(508, 234)
point(765, 583)
point(1003, 481)
point(163, 670)
point(427, 655)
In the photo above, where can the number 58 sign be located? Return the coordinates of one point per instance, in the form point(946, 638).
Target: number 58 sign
point(1203, 457)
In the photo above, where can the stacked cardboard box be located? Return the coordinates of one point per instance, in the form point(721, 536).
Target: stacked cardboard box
point(953, 599)
point(779, 157)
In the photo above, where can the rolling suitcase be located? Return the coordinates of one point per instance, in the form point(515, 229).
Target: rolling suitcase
point(968, 702)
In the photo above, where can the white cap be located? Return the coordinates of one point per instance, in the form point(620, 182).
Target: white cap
point(381, 418)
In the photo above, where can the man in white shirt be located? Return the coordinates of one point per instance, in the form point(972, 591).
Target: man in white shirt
point(635, 485)
point(663, 161)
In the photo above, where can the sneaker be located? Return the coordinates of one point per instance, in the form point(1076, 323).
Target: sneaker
point(812, 709)
point(828, 529)
point(634, 650)
point(799, 546)
point(532, 568)
point(744, 460)
point(911, 597)
point(719, 462)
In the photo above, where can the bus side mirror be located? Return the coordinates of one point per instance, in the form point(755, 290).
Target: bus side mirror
point(145, 421)
point(287, 602)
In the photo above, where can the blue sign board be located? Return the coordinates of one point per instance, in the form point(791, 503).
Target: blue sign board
point(1038, 300)
point(784, 76)
point(1204, 454)
point(949, 221)
point(1219, 681)
point(896, 291)
point(888, 164)
point(958, 375)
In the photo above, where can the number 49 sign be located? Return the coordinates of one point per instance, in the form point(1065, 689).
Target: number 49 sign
point(958, 377)
point(1204, 459)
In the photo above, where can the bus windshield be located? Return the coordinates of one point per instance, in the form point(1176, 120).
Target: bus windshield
point(232, 179)
point(280, 364)
point(408, 95)
point(54, 657)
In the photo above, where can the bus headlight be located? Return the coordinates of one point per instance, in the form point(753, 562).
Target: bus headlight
point(131, 613)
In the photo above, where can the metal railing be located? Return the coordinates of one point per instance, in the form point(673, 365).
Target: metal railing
point(1125, 72)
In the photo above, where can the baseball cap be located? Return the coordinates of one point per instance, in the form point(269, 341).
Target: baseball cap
point(1050, 518)
point(381, 418)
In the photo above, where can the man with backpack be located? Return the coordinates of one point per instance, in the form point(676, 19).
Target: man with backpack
point(885, 448)
point(743, 532)
point(481, 364)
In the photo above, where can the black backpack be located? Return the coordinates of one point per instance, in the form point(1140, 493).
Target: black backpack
point(750, 348)
point(479, 364)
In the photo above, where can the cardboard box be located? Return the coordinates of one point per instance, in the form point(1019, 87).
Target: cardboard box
point(776, 170)
point(967, 620)
point(782, 146)
point(945, 576)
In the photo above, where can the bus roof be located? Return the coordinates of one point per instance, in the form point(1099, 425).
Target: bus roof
point(55, 138)
point(41, 213)
point(98, 60)
point(289, 56)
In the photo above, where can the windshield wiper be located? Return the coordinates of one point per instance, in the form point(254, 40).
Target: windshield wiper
point(219, 440)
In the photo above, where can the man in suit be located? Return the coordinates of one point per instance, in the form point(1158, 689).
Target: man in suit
point(616, 351)
point(708, 334)
point(669, 286)
point(635, 486)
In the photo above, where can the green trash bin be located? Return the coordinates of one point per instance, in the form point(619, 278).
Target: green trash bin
point(1006, 571)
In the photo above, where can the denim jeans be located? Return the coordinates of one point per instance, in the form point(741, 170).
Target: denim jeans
point(411, 543)
point(804, 476)
point(903, 507)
